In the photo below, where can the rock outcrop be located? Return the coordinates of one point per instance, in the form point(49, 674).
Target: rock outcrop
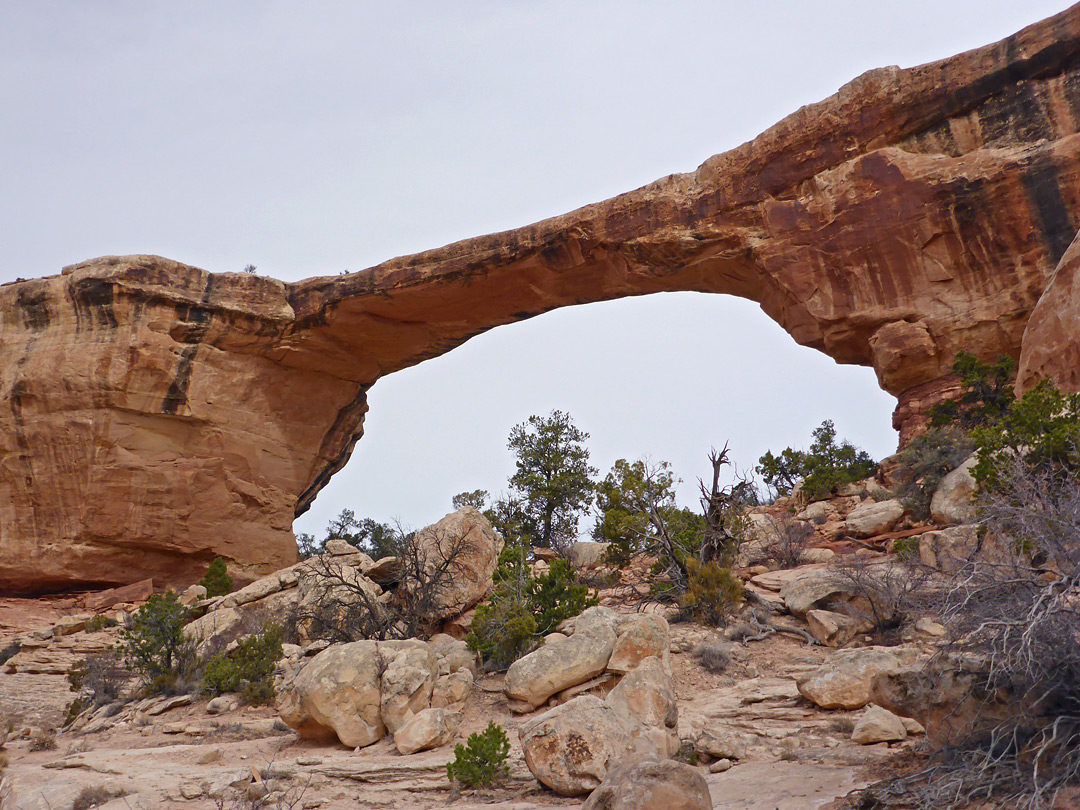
point(154, 407)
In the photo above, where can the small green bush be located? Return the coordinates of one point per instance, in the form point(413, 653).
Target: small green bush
point(824, 468)
point(482, 761)
point(712, 592)
point(99, 623)
point(217, 580)
point(154, 645)
point(524, 608)
point(249, 668)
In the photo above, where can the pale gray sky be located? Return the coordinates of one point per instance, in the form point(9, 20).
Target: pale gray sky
point(310, 138)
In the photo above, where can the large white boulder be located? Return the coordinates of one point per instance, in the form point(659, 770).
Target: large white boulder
point(560, 664)
point(873, 518)
point(845, 680)
point(571, 747)
point(644, 700)
point(651, 783)
point(953, 500)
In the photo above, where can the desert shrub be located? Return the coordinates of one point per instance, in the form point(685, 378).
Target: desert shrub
point(249, 668)
point(99, 623)
point(43, 739)
point(925, 461)
point(93, 797)
point(217, 580)
point(987, 395)
point(482, 760)
point(1013, 620)
point(9, 651)
point(1041, 429)
point(887, 593)
point(524, 607)
point(786, 541)
point(100, 676)
point(348, 608)
point(712, 592)
point(712, 657)
point(824, 468)
point(154, 646)
point(907, 548)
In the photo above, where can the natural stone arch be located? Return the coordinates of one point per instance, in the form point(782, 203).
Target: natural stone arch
point(156, 407)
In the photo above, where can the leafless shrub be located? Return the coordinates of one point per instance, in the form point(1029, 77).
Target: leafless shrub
point(887, 593)
point(43, 739)
point(347, 606)
point(94, 797)
point(785, 541)
point(712, 657)
point(1013, 615)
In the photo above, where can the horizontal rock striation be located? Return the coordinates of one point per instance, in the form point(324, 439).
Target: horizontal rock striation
point(155, 415)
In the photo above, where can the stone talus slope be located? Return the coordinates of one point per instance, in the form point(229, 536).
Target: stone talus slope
point(152, 406)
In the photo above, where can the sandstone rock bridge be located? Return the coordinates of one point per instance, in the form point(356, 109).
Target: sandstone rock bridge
point(154, 415)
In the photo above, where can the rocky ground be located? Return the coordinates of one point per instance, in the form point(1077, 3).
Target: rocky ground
point(791, 754)
point(788, 722)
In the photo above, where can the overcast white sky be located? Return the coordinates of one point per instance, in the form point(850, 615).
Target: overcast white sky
point(310, 138)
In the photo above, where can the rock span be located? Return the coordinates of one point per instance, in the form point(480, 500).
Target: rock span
point(153, 407)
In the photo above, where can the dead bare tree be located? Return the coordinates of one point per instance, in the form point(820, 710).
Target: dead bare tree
point(723, 507)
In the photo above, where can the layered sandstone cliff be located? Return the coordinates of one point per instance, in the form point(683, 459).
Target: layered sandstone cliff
point(153, 407)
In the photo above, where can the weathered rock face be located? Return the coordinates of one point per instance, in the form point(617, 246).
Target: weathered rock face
point(152, 406)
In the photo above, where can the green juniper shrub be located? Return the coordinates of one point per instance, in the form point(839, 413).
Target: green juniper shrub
point(829, 466)
point(482, 760)
point(824, 468)
point(1041, 430)
point(925, 461)
point(712, 592)
point(217, 580)
point(154, 646)
point(988, 393)
point(249, 668)
point(99, 623)
point(524, 607)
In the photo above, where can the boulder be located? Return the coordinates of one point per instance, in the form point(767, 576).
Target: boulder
point(647, 636)
point(570, 748)
point(428, 728)
point(845, 680)
point(557, 665)
point(651, 783)
point(874, 518)
point(451, 691)
point(595, 617)
point(818, 588)
point(722, 742)
point(214, 630)
point(644, 700)
point(949, 549)
point(467, 546)
point(586, 554)
point(816, 513)
point(953, 500)
point(453, 654)
point(408, 680)
point(833, 629)
point(337, 694)
point(876, 725)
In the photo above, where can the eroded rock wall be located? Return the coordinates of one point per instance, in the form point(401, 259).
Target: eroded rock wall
point(155, 415)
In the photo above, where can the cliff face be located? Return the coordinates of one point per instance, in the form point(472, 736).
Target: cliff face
point(154, 407)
